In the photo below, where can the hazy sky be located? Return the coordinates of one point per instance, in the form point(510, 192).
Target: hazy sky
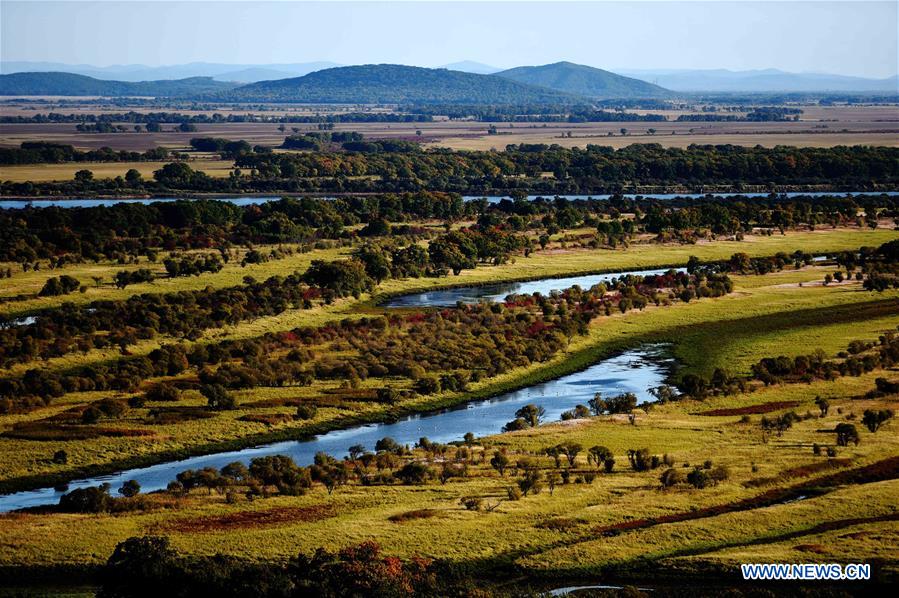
point(848, 37)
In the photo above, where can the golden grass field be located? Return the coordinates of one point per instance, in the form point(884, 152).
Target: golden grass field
point(522, 532)
point(573, 531)
point(102, 170)
point(765, 315)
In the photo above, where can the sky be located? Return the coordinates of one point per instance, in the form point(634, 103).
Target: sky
point(848, 37)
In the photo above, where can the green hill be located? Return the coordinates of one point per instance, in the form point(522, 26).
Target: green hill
point(583, 80)
point(70, 84)
point(397, 84)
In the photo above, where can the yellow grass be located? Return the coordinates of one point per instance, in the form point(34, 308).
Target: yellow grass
point(39, 173)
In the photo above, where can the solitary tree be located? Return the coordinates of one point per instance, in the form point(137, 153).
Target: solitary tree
point(846, 433)
point(532, 414)
point(130, 488)
point(499, 462)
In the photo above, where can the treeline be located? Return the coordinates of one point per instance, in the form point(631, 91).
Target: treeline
point(760, 114)
point(42, 152)
point(595, 169)
point(528, 113)
point(65, 235)
point(215, 118)
point(860, 358)
point(437, 350)
point(185, 314)
point(878, 268)
point(149, 566)
point(123, 231)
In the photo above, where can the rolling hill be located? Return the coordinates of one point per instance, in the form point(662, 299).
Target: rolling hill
point(70, 84)
point(397, 84)
point(583, 80)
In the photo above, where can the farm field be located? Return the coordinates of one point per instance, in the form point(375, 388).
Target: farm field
point(740, 406)
point(817, 127)
point(66, 172)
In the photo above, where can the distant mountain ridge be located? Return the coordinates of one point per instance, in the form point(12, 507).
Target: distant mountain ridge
point(241, 73)
point(584, 80)
point(397, 84)
point(69, 84)
point(470, 66)
point(763, 81)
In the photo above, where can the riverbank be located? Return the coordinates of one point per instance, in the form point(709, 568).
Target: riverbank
point(703, 320)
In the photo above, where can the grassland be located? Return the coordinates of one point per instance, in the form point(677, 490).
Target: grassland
point(562, 534)
point(758, 320)
point(622, 524)
point(39, 173)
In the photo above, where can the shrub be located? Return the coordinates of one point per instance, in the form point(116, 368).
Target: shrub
point(671, 477)
point(306, 412)
point(94, 499)
point(130, 488)
point(846, 433)
point(164, 391)
point(217, 397)
point(414, 473)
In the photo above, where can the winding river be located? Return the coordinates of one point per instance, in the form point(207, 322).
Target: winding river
point(500, 290)
point(634, 371)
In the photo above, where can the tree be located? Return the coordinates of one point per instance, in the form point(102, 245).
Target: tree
point(846, 433)
point(130, 488)
point(873, 419)
point(217, 397)
point(164, 391)
point(671, 477)
point(597, 404)
point(693, 264)
point(139, 567)
point(599, 455)
point(388, 445)
point(531, 482)
point(84, 176)
point(623, 403)
point(134, 178)
point(500, 462)
point(93, 499)
point(60, 457)
point(640, 459)
point(280, 471)
point(552, 479)
point(532, 414)
point(413, 473)
point(823, 405)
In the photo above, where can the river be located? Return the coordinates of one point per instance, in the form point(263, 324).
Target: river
point(500, 290)
point(634, 371)
point(246, 200)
